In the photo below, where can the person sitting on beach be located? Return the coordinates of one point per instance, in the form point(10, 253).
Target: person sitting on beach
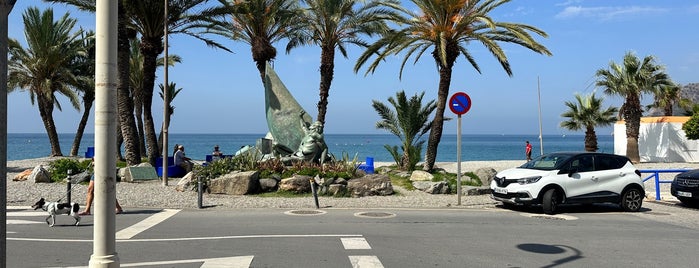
point(182, 161)
point(216, 154)
point(91, 196)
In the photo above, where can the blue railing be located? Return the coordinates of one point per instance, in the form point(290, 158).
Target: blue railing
point(656, 175)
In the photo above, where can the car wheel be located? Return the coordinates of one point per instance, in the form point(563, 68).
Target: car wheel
point(631, 200)
point(550, 201)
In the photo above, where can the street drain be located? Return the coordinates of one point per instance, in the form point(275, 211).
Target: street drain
point(304, 212)
point(550, 217)
point(374, 214)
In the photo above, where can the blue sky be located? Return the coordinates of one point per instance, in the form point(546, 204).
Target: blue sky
point(222, 92)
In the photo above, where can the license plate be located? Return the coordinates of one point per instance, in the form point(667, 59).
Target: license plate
point(684, 194)
point(500, 190)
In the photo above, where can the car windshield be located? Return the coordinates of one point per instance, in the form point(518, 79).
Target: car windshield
point(547, 162)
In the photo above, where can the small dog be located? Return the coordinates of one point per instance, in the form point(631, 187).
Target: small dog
point(55, 208)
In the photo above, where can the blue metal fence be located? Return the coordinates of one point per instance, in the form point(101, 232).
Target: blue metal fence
point(656, 174)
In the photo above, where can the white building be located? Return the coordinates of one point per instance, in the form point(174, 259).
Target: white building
point(660, 139)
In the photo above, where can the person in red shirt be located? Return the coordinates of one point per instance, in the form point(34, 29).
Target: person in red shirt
point(528, 151)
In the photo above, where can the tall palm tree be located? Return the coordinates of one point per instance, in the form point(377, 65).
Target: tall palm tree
point(587, 113)
point(409, 123)
point(85, 70)
point(184, 17)
point(128, 134)
point(630, 80)
point(45, 67)
point(172, 93)
point(666, 96)
point(447, 27)
point(333, 24)
point(260, 24)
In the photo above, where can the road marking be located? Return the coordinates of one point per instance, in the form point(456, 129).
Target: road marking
point(133, 230)
point(355, 243)
point(182, 239)
point(365, 262)
point(228, 262)
point(24, 222)
point(26, 213)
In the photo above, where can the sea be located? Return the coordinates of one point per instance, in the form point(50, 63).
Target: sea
point(360, 146)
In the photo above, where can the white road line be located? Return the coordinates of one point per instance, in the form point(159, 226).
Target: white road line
point(133, 230)
point(229, 262)
point(23, 222)
point(355, 243)
point(365, 262)
point(181, 239)
point(27, 213)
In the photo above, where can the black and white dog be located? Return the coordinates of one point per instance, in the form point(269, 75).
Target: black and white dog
point(55, 208)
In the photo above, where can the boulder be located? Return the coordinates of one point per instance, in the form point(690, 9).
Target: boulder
point(40, 175)
point(420, 175)
point(296, 184)
point(268, 185)
point(337, 190)
point(187, 183)
point(236, 183)
point(473, 190)
point(432, 187)
point(23, 176)
point(486, 175)
point(372, 184)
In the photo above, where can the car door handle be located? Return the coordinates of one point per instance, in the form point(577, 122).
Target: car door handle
point(622, 174)
point(594, 178)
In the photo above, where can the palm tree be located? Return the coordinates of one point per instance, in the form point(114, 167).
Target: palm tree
point(172, 93)
point(85, 70)
point(46, 66)
point(630, 80)
point(586, 113)
point(128, 134)
point(666, 96)
point(260, 23)
point(447, 27)
point(409, 123)
point(333, 24)
point(184, 17)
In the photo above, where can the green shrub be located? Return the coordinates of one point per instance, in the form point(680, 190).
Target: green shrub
point(59, 168)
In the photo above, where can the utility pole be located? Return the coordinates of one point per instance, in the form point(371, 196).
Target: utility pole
point(104, 253)
point(5, 9)
point(166, 104)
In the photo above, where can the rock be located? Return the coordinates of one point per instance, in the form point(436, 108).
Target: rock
point(372, 184)
point(297, 184)
point(432, 187)
point(187, 184)
point(23, 176)
point(268, 185)
point(473, 190)
point(84, 176)
point(40, 175)
point(337, 190)
point(486, 175)
point(236, 183)
point(419, 175)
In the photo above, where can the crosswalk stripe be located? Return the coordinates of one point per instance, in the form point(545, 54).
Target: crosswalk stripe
point(133, 230)
point(365, 262)
point(27, 213)
point(23, 222)
point(355, 243)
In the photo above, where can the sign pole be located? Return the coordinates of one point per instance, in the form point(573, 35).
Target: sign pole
point(458, 160)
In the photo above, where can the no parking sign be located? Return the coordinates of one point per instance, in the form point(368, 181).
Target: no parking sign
point(459, 103)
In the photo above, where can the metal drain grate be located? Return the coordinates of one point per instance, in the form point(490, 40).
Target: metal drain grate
point(305, 212)
point(375, 214)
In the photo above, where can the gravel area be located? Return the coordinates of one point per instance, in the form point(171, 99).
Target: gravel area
point(154, 194)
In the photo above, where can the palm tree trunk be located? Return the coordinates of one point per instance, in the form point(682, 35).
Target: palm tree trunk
point(327, 67)
point(138, 111)
point(46, 113)
point(590, 139)
point(125, 105)
point(87, 105)
point(438, 123)
point(150, 50)
point(632, 116)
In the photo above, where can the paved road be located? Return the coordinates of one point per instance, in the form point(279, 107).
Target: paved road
point(598, 236)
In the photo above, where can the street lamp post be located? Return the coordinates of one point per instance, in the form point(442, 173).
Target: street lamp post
point(5, 9)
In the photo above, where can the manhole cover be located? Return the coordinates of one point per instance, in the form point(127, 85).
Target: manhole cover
point(374, 214)
point(304, 212)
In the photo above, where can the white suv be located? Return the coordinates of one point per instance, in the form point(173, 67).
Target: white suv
point(567, 177)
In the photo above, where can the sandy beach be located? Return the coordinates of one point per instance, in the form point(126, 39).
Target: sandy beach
point(154, 194)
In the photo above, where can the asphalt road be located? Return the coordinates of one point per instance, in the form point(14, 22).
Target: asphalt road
point(596, 236)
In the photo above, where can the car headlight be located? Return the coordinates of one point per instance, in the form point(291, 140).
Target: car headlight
point(528, 180)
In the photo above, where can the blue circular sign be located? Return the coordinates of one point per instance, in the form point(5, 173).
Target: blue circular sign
point(460, 103)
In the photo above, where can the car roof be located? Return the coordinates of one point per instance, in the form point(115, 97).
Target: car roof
point(573, 153)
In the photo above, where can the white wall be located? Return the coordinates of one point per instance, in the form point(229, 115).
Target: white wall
point(661, 139)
